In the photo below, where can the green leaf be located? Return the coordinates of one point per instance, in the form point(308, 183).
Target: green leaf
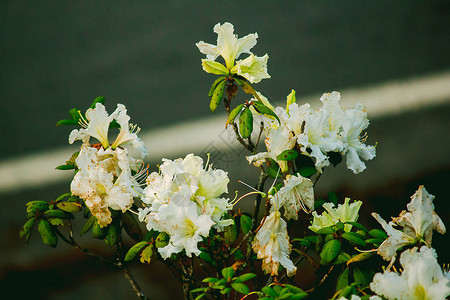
point(99, 99)
point(147, 254)
point(200, 296)
point(56, 221)
point(240, 287)
point(60, 198)
point(131, 226)
point(200, 289)
point(210, 279)
point(262, 109)
point(162, 240)
point(228, 273)
point(327, 230)
point(217, 96)
point(245, 277)
point(225, 291)
point(37, 206)
point(66, 122)
point(364, 278)
point(343, 257)
point(27, 227)
point(379, 234)
point(246, 223)
point(214, 85)
point(302, 242)
point(99, 232)
point(246, 123)
point(307, 171)
point(360, 257)
point(342, 280)
point(269, 291)
point(330, 251)
point(206, 257)
point(287, 155)
point(340, 226)
point(231, 233)
point(332, 198)
point(113, 234)
point(88, 225)
point(233, 114)
point(357, 225)
point(70, 206)
point(74, 114)
point(152, 234)
point(374, 241)
point(48, 236)
point(66, 167)
point(56, 213)
point(318, 203)
point(354, 239)
point(133, 251)
point(294, 289)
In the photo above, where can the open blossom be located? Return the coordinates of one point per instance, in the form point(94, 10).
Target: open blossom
point(346, 212)
point(417, 223)
point(229, 47)
point(96, 125)
point(316, 133)
point(184, 200)
point(271, 244)
point(104, 181)
point(296, 194)
point(422, 278)
point(356, 297)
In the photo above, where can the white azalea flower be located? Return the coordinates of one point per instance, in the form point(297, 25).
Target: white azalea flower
point(346, 212)
point(228, 45)
point(336, 114)
point(353, 124)
point(95, 125)
point(417, 223)
point(422, 278)
point(319, 139)
point(253, 68)
point(421, 220)
point(296, 194)
point(356, 297)
point(395, 240)
point(271, 244)
point(104, 181)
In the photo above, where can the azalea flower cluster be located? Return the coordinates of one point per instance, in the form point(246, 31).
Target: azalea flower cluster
point(183, 200)
point(108, 177)
point(229, 47)
point(317, 133)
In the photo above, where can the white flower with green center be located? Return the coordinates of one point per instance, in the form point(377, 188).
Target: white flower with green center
point(96, 125)
point(417, 224)
point(353, 124)
point(296, 194)
point(318, 138)
point(229, 47)
point(271, 244)
point(422, 278)
point(346, 212)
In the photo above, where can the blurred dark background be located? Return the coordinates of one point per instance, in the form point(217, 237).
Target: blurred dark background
point(58, 55)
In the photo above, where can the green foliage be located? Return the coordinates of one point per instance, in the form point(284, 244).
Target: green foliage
point(246, 223)
point(262, 109)
point(246, 123)
point(234, 113)
point(285, 291)
point(287, 155)
point(47, 233)
point(330, 251)
point(217, 95)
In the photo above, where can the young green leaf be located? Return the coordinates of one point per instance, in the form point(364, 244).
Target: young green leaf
point(246, 223)
point(245, 277)
point(262, 109)
point(48, 236)
point(133, 251)
point(66, 122)
point(27, 227)
point(99, 232)
point(37, 206)
point(228, 273)
point(342, 280)
point(214, 85)
point(240, 287)
point(233, 114)
point(354, 239)
point(99, 99)
point(113, 234)
point(87, 226)
point(379, 234)
point(69, 206)
point(287, 155)
point(246, 123)
point(217, 96)
point(147, 254)
point(330, 251)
